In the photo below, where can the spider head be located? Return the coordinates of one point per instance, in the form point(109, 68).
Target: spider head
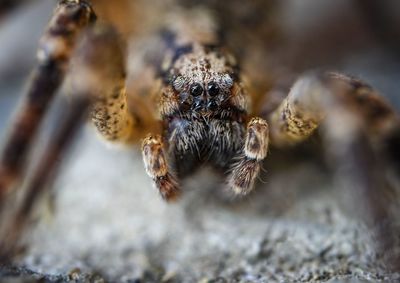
point(202, 80)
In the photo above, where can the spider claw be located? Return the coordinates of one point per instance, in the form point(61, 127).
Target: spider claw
point(168, 188)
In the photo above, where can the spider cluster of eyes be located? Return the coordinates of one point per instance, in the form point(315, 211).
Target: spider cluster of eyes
point(199, 97)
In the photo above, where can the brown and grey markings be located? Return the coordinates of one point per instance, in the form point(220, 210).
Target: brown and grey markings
point(56, 44)
point(157, 167)
point(313, 97)
point(112, 118)
point(69, 123)
point(245, 171)
point(380, 117)
point(199, 78)
point(99, 67)
point(204, 107)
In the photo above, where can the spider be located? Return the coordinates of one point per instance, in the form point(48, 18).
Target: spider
point(200, 112)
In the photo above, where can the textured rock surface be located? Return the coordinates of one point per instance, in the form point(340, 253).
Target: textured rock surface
point(109, 223)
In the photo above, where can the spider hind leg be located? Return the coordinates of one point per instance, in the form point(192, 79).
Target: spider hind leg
point(355, 123)
point(56, 45)
point(86, 78)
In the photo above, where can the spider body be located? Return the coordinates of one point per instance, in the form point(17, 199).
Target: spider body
point(202, 110)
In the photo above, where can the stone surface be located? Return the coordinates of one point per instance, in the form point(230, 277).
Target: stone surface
point(109, 223)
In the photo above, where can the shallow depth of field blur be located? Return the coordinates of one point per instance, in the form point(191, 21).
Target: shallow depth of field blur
point(104, 220)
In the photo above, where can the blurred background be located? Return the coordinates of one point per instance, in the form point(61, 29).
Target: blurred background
point(104, 220)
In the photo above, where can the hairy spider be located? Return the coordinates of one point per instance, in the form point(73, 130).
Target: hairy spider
point(200, 114)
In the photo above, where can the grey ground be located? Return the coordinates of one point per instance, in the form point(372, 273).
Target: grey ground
point(104, 221)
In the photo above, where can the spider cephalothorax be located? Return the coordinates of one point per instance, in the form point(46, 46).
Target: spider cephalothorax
point(202, 81)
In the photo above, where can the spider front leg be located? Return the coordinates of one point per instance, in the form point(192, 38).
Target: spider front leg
point(102, 74)
point(246, 170)
point(96, 70)
point(56, 46)
point(157, 167)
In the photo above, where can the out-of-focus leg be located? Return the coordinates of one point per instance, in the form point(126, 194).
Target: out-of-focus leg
point(355, 124)
point(86, 79)
point(54, 53)
point(313, 96)
point(104, 76)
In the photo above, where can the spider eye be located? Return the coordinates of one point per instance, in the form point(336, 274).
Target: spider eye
point(196, 89)
point(178, 83)
point(213, 89)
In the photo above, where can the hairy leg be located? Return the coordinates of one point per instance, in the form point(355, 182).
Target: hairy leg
point(56, 45)
point(104, 77)
point(157, 168)
point(312, 97)
point(360, 175)
point(86, 79)
point(355, 122)
point(13, 223)
point(246, 169)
